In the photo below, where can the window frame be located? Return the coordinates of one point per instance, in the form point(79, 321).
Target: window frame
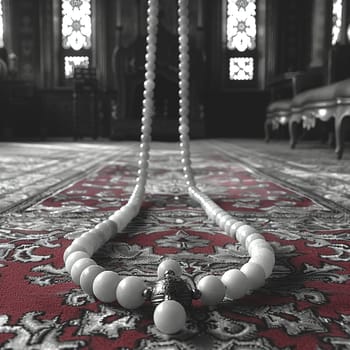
point(233, 53)
point(63, 52)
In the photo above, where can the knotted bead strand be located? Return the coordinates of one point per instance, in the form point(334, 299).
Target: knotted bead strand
point(109, 286)
point(234, 283)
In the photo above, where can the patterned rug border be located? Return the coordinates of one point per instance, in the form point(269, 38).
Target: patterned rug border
point(329, 204)
point(21, 206)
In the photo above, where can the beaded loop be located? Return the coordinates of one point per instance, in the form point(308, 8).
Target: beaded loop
point(130, 292)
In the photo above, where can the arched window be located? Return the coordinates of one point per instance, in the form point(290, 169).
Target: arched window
point(241, 37)
point(76, 33)
point(337, 19)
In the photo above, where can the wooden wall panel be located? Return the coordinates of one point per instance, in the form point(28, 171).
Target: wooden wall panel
point(25, 38)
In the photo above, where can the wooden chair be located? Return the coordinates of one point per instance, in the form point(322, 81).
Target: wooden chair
point(277, 115)
point(309, 105)
point(283, 89)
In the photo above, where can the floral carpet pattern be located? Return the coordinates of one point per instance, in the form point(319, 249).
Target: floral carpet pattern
point(52, 193)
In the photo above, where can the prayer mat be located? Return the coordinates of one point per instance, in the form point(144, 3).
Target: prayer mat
point(52, 193)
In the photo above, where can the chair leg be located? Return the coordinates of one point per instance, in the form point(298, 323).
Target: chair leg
point(267, 131)
point(339, 135)
point(293, 131)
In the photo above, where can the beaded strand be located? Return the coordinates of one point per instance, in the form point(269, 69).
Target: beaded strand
point(129, 292)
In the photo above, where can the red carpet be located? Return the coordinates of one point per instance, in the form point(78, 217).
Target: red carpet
point(304, 305)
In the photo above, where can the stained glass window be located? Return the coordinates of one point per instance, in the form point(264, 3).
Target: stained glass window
point(241, 68)
point(1, 26)
point(337, 20)
point(241, 38)
point(70, 62)
point(241, 25)
point(76, 24)
point(76, 31)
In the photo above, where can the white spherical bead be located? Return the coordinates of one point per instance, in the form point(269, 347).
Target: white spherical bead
point(169, 317)
point(258, 243)
point(169, 265)
point(265, 258)
point(97, 236)
point(150, 75)
point(73, 257)
point(104, 286)
point(74, 247)
point(234, 228)
point(130, 292)
point(236, 283)
point(222, 219)
point(88, 276)
point(121, 218)
point(183, 74)
point(228, 224)
point(255, 274)
point(89, 243)
point(108, 227)
point(212, 290)
point(213, 211)
point(79, 266)
point(253, 237)
point(243, 232)
point(149, 83)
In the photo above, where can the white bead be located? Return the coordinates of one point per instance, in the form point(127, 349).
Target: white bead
point(236, 283)
point(130, 292)
point(184, 94)
point(150, 75)
point(243, 232)
point(265, 258)
point(228, 224)
point(150, 57)
point(169, 317)
point(151, 40)
point(146, 129)
point(97, 236)
point(74, 247)
point(107, 225)
point(213, 212)
point(234, 228)
point(142, 172)
point(258, 243)
point(183, 39)
point(144, 155)
point(222, 219)
point(184, 129)
point(89, 243)
point(149, 84)
point(184, 84)
point(187, 170)
point(104, 286)
point(255, 274)
point(141, 182)
point(185, 138)
point(183, 74)
point(73, 257)
point(212, 290)
point(145, 138)
point(150, 65)
point(78, 267)
point(169, 265)
point(253, 237)
point(88, 276)
point(184, 65)
point(120, 219)
point(148, 94)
